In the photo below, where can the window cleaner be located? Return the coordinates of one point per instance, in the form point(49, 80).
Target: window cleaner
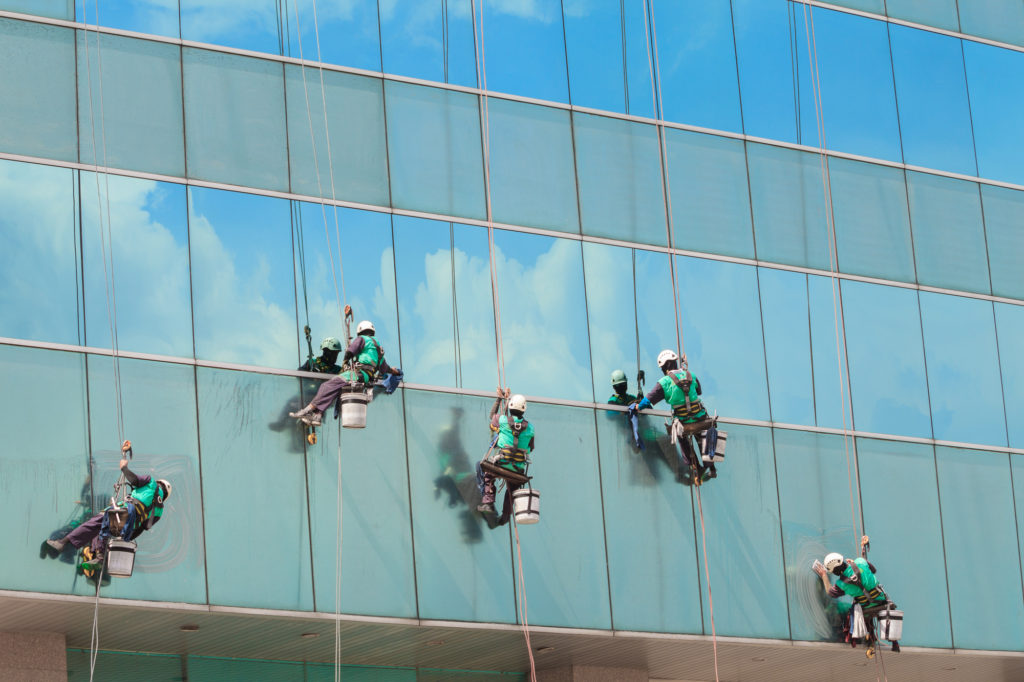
point(621, 396)
point(856, 578)
point(681, 389)
point(514, 440)
point(326, 363)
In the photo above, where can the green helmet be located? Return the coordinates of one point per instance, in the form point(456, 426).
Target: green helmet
point(618, 377)
point(330, 343)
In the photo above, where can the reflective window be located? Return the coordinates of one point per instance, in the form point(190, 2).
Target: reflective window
point(993, 75)
point(611, 306)
point(235, 116)
point(787, 189)
point(434, 150)
point(355, 168)
point(39, 90)
point(258, 27)
point(876, 6)
point(962, 358)
point(710, 200)
point(533, 180)
point(1017, 474)
point(725, 351)
point(787, 339)
point(619, 170)
point(938, 13)
point(532, 310)
point(697, 64)
point(463, 568)
point(348, 32)
point(39, 242)
point(235, 670)
point(147, 281)
point(1010, 328)
point(158, 17)
point(1003, 210)
point(430, 40)
point(812, 525)
point(244, 453)
point(58, 9)
point(655, 314)
point(976, 492)
point(169, 560)
point(113, 665)
point(447, 320)
point(1001, 20)
point(639, 60)
point(869, 205)
point(594, 45)
point(887, 373)
point(524, 49)
point(43, 455)
point(831, 386)
point(908, 556)
point(242, 278)
point(949, 237)
point(935, 119)
point(141, 128)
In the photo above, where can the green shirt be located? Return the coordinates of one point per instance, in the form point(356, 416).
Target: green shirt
point(675, 397)
point(623, 399)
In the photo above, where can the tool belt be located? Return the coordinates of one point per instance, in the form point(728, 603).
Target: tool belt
point(510, 475)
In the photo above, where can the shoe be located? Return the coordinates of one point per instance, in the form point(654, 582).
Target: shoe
point(57, 545)
point(895, 647)
point(308, 409)
point(710, 473)
point(486, 508)
point(313, 418)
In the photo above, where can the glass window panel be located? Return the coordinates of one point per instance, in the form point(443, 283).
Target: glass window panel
point(876, 6)
point(949, 236)
point(141, 126)
point(611, 315)
point(1010, 328)
point(237, 670)
point(257, 28)
point(1003, 210)
point(348, 32)
point(564, 556)
point(525, 49)
point(158, 406)
point(620, 184)
point(962, 359)
point(744, 541)
point(658, 552)
point(994, 75)
point(787, 191)
point(147, 281)
point(697, 62)
point(827, 352)
point(245, 454)
point(726, 351)
point(812, 524)
point(157, 17)
point(463, 568)
point(356, 166)
point(39, 276)
point(594, 44)
point(244, 302)
point(235, 115)
point(901, 550)
point(118, 666)
point(39, 90)
point(1001, 20)
point(869, 205)
point(430, 40)
point(376, 554)
point(938, 13)
point(45, 463)
point(434, 150)
point(976, 492)
point(1017, 474)
point(656, 320)
point(57, 9)
point(787, 338)
point(710, 198)
point(532, 309)
point(320, 672)
point(935, 119)
point(887, 372)
point(533, 180)
point(639, 64)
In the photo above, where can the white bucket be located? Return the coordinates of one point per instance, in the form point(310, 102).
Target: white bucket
point(526, 503)
point(353, 410)
point(890, 624)
point(120, 559)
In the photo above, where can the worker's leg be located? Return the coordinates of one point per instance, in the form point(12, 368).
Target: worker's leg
point(329, 392)
point(489, 489)
point(86, 532)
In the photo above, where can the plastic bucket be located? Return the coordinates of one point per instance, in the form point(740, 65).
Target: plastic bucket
point(890, 624)
point(120, 559)
point(526, 504)
point(353, 410)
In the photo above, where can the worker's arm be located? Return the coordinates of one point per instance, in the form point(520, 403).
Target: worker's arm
point(654, 396)
point(133, 480)
point(697, 382)
point(865, 545)
point(354, 349)
point(496, 407)
point(823, 574)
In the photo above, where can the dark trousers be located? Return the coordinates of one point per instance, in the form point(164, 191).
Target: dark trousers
point(88, 533)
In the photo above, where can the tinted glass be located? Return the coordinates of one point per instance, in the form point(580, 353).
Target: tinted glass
point(831, 385)
point(594, 47)
point(348, 32)
point(233, 670)
point(58, 9)
point(768, 35)
point(431, 40)
point(949, 237)
point(710, 201)
point(993, 74)
point(39, 253)
point(639, 61)
point(1010, 326)
point(158, 17)
point(1001, 20)
point(611, 315)
point(235, 116)
point(533, 179)
point(434, 150)
point(356, 168)
point(257, 28)
point(524, 49)
point(39, 90)
point(620, 184)
point(887, 373)
point(938, 13)
point(876, 6)
point(1004, 234)
point(787, 341)
point(655, 316)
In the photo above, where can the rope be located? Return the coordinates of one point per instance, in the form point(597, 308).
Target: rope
point(521, 602)
point(94, 639)
point(707, 581)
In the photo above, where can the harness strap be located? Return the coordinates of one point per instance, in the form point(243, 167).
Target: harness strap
point(684, 385)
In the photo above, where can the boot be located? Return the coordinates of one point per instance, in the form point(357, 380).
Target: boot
point(486, 508)
point(895, 647)
point(308, 409)
point(57, 545)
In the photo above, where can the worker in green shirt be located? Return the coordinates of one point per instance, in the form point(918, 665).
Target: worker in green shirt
point(620, 386)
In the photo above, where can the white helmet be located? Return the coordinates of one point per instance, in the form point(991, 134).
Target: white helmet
point(666, 356)
point(517, 402)
point(167, 486)
point(365, 326)
point(833, 560)
point(330, 343)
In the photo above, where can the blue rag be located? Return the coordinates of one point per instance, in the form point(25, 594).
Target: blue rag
point(634, 420)
point(390, 382)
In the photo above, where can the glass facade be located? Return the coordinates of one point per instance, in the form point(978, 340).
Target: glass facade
point(201, 205)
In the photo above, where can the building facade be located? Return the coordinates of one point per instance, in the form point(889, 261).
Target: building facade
point(821, 204)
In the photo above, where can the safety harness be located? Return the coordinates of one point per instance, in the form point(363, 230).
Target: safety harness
point(514, 452)
point(371, 371)
point(688, 409)
point(867, 597)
